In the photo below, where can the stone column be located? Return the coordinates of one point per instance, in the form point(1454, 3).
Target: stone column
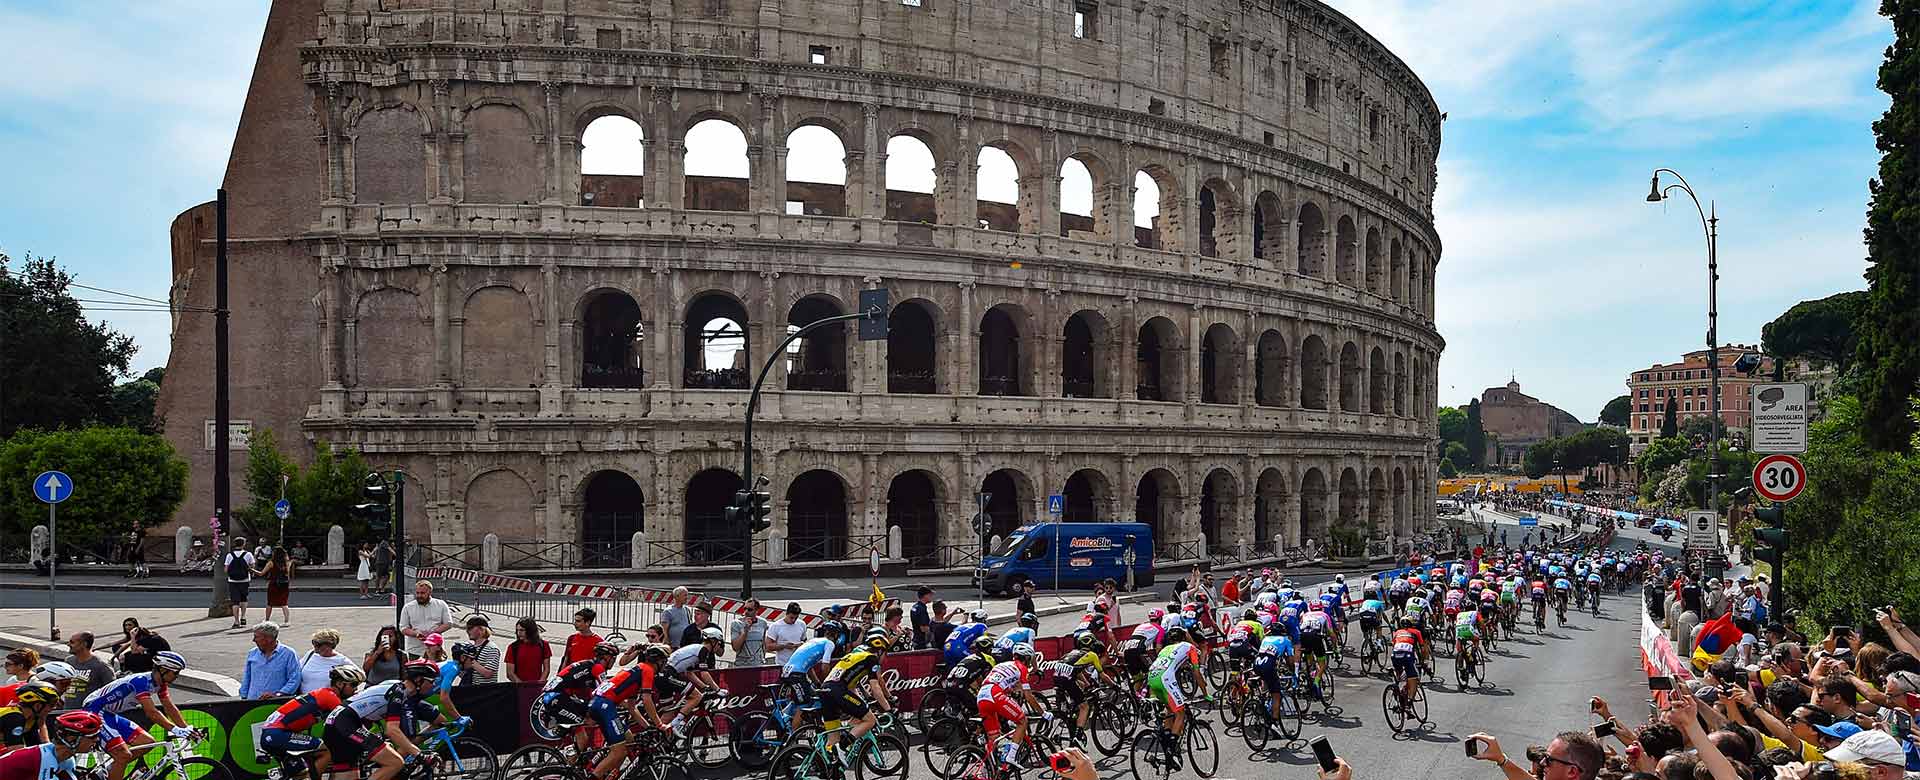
point(553, 167)
point(963, 346)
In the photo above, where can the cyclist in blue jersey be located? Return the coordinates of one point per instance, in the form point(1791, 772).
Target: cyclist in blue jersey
point(1025, 633)
point(798, 675)
point(962, 638)
point(1274, 650)
point(146, 692)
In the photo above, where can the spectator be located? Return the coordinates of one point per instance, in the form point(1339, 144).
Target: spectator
point(271, 670)
point(321, 661)
point(1885, 757)
point(435, 649)
point(942, 624)
point(20, 663)
point(384, 660)
point(702, 620)
point(674, 619)
point(239, 566)
point(786, 634)
point(382, 564)
point(83, 658)
point(486, 665)
point(278, 572)
point(893, 624)
point(1025, 605)
point(364, 574)
point(300, 555)
point(748, 637)
point(422, 616)
point(581, 642)
point(923, 619)
point(528, 657)
point(137, 654)
point(1573, 755)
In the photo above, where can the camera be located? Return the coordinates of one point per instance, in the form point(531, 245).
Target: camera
point(1060, 762)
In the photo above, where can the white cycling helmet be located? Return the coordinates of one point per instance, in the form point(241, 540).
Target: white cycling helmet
point(169, 660)
point(712, 634)
point(55, 670)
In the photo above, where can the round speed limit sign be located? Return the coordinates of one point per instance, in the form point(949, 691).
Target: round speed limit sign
point(1779, 477)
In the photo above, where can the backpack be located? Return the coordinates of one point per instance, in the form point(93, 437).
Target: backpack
point(237, 570)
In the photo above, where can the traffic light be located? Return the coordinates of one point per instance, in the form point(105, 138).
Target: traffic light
point(737, 511)
point(1771, 537)
point(758, 508)
point(376, 507)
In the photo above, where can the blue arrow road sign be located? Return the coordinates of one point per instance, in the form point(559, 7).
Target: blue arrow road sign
point(282, 509)
point(1056, 504)
point(52, 487)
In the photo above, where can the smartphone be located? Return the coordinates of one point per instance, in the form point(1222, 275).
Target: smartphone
point(1475, 747)
point(1323, 750)
point(1060, 762)
point(1842, 631)
point(1899, 724)
point(1741, 679)
point(1602, 730)
point(1659, 683)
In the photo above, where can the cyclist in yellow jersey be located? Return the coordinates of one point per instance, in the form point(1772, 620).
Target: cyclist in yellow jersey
point(841, 698)
point(1076, 670)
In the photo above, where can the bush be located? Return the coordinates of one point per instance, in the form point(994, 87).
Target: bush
point(124, 480)
point(1854, 533)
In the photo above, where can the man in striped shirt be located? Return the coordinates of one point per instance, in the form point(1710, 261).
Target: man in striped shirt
point(486, 668)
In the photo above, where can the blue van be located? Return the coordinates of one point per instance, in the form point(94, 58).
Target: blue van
point(1093, 552)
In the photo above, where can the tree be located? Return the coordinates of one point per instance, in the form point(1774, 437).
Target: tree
point(133, 402)
point(1453, 424)
point(124, 480)
point(1456, 452)
point(1670, 426)
point(1616, 411)
point(1822, 329)
point(1447, 471)
point(1699, 428)
point(268, 472)
point(1662, 454)
point(1476, 434)
point(1539, 458)
point(1591, 447)
point(59, 368)
point(1889, 350)
point(1855, 530)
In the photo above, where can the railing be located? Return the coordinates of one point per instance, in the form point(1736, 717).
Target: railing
point(914, 382)
point(946, 556)
point(461, 555)
point(816, 548)
point(536, 555)
point(1076, 388)
point(1263, 548)
point(612, 377)
point(823, 380)
point(1178, 550)
point(701, 552)
point(1147, 391)
point(999, 385)
point(717, 379)
point(1379, 547)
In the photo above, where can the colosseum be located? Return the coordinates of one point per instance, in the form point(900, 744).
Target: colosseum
point(1172, 261)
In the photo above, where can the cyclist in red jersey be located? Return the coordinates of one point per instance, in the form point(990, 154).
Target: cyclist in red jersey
point(286, 730)
point(70, 734)
point(1000, 696)
point(630, 692)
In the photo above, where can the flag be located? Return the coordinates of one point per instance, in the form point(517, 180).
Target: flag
point(1714, 639)
point(874, 601)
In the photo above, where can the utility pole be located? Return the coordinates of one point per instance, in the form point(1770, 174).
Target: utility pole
point(222, 484)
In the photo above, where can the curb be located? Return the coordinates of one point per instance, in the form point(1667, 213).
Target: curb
point(204, 587)
point(191, 679)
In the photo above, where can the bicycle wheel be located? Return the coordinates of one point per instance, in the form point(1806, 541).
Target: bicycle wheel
point(1460, 670)
point(1293, 715)
point(1149, 756)
point(661, 768)
point(752, 741)
point(706, 744)
point(1217, 669)
point(1203, 748)
point(969, 761)
point(195, 768)
point(1419, 704)
point(943, 740)
point(1259, 726)
point(1390, 707)
point(466, 758)
point(523, 763)
point(1236, 700)
point(882, 755)
point(933, 705)
point(1110, 725)
point(800, 762)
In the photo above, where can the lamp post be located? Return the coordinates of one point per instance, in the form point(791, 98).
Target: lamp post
point(1710, 223)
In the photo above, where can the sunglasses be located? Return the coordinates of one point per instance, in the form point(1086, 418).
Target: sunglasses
point(1550, 761)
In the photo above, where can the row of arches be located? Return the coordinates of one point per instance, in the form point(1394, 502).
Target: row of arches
point(1074, 189)
point(818, 511)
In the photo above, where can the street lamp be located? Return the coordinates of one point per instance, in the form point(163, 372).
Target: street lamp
point(1710, 223)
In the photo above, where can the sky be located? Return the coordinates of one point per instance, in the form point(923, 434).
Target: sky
point(1555, 270)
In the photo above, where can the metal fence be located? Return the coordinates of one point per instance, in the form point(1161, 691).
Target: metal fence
point(1179, 550)
point(946, 556)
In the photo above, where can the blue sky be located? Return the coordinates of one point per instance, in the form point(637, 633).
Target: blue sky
point(1555, 268)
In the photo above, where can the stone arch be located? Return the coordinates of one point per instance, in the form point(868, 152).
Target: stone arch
point(1220, 365)
point(1377, 381)
point(913, 348)
point(706, 534)
point(389, 153)
point(1086, 358)
point(1349, 515)
point(1350, 390)
point(499, 501)
point(914, 500)
point(724, 176)
point(1219, 508)
point(390, 327)
point(816, 169)
point(501, 161)
point(1219, 212)
point(611, 157)
point(818, 360)
point(612, 509)
point(1098, 194)
point(1272, 369)
point(1311, 241)
point(1156, 502)
point(1269, 506)
point(1397, 271)
point(1399, 384)
point(1313, 372)
point(907, 151)
point(499, 345)
point(1402, 527)
point(1377, 505)
point(612, 338)
point(718, 353)
point(1159, 371)
point(816, 514)
point(1345, 266)
point(1417, 281)
point(1313, 507)
point(1010, 500)
point(1006, 359)
point(1154, 207)
point(1269, 227)
point(1376, 275)
point(997, 163)
point(1087, 496)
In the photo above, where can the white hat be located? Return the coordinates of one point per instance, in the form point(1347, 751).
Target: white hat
point(1870, 745)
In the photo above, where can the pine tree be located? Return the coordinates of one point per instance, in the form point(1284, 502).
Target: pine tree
point(1476, 435)
point(1889, 351)
point(1670, 426)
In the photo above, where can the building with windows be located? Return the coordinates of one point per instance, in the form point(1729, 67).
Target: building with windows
point(1686, 386)
point(1175, 266)
point(1514, 421)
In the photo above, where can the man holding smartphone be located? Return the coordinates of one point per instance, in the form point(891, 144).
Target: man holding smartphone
point(1573, 755)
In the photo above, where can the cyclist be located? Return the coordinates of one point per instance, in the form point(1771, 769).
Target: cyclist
point(802, 669)
point(147, 692)
point(1077, 670)
point(461, 657)
point(69, 734)
point(399, 704)
point(1466, 633)
point(853, 673)
point(566, 694)
point(286, 730)
point(1266, 663)
point(1593, 587)
point(1489, 612)
point(1144, 642)
point(636, 691)
point(24, 723)
point(964, 679)
point(1560, 588)
point(1370, 618)
point(60, 674)
point(1538, 591)
point(693, 663)
point(1244, 638)
point(1022, 634)
point(1397, 592)
point(1334, 604)
point(997, 703)
point(961, 640)
point(1410, 655)
point(1163, 679)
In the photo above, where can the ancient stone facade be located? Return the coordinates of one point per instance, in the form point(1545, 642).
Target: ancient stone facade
point(422, 270)
point(1515, 421)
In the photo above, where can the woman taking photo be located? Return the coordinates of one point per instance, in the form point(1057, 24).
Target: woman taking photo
point(279, 576)
point(384, 660)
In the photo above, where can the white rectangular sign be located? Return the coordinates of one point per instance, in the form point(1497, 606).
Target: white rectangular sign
point(237, 433)
point(1703, 531)
point(1779, 417)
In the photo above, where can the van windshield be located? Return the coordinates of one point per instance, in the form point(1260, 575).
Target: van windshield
point(1008, 545)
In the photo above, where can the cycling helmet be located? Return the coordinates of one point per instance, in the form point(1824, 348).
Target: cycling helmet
point(68, 728)
point(420, 670)
point(608, 649)
point(1026, 653)
point(55, 670)
point(1249, 614)
point(830, 611)
point(878, 643)
point(170, 661)
point(1030, 620)
point(36, 692)
point(1156, 614)
point(654, 653)
point(979, 616)
point(1407, 623)
point(712, 634)
point(982, 643)
point(875, 632)
point(1340, 578)
point(1174, 635)
point(1084, 640)
point(1097, 622)
point(464, 650)
point(347, 673)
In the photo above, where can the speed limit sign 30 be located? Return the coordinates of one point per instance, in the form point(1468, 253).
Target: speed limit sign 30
point(1779, 477)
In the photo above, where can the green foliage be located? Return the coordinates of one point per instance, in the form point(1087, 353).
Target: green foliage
point(322, 494)
point(1456, 452)
point(1589, 447)
point(133, 402)
point(1539, 458)
point(1736, 468)
point(1889, 333)
point(1476, 434)
point(1855, 530)
point(1616, 411)
point(1670, 425)
point(1447, 471)
point(1698, 428)
point(124, 480)
point(59, 368)
point(1662, 453)
point(1453, 424)
point(1821, 329)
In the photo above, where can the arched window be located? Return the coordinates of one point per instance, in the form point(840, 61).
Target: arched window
point(818, 360)
point(611, 341)
point(1273, 373)
point(1312, 241)
point(912, 365)
point(1158, 369)
point(716, 166)
point(716, 344)
point(708, 537)
point(1078, 212)
point(816, 517)
point(612, 163)
point(1313, 373)
point(910, 181)
point(997, 185)
point(1220, 366)
point(1153, 191)
point(816, 173)
point(1084, 361)
point(613, 511)
point(1350, 378)
point(1002, 361)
